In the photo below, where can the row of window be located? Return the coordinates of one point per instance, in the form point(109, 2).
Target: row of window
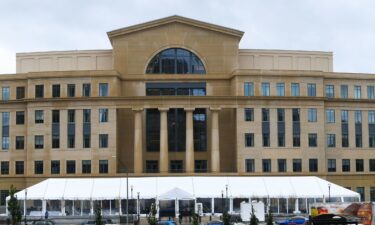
point(56, 91)
point(176, 166)
point(313, 165)
point(39, 142)
point(311, 90)
point(55, 167)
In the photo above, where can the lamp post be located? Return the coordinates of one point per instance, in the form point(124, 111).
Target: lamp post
point(127, 197)
point(222, 201)
point(138, 207)
point(25, 206)
point(226, 197)
point(329, 192)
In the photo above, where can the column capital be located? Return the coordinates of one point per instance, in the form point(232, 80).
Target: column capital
point(137, 109)
point(189, 109)
point(215, 108)
point(163, 109)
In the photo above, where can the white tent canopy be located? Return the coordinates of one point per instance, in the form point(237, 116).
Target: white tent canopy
point(183, 188)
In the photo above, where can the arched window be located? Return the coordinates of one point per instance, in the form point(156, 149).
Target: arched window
point(175, 61)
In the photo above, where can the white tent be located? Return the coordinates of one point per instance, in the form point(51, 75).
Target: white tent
point(197, 187)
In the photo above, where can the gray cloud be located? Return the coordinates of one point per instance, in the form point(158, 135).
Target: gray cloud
point(345, 27)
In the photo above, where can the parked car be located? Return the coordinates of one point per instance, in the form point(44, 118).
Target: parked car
point(43, 222)
point(104, 221)
point(215, 222)
point(166, 222)
point(299, 220)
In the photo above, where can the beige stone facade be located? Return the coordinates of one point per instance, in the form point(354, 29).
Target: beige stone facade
point(235, 80)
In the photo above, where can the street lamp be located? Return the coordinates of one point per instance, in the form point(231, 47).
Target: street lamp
point(329, 192)
point(222, 201)
point(226, 197)
point(138, 207)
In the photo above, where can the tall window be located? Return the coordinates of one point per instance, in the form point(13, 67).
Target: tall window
point(358, 128)
point(313, 140)
point(280, 89)
point(281, 165)
point(19, 167)
point(5, 92)
point(249, 114)
point(200, 129)
point(357, 92)
point(330, 115)
point(371, 128)
point(39, 116)
point(266, 165)
point(70, 167)
point(175, 61)
point(86, 166)
point(370, 92)
point(55, 166)
point(71, 90)
point(311, 90)
point(331, 165)
point(38, 141)
point(20, 117)
point(371, 165)
point(281, 127)
point(20, 92)
point(265, 89)
point(346, 165)
point(331, 140)
point(103, 115)
point(20, 142)
point(86, 90)
point(295, 89)
point(249, 89)
point(56, 90)
point(330, 91)
point(250, 165)
point(103, 166)
point(39, 91)
point(344, 91)
point(5, 130)
point(103, 89)
point(296, 127)
point(359, 165)
point(313, 165)
point(249, 139)
point(103, 140)
point(38, 167)
point(361, 192)
point(4, 167)
point(344, 128)
point(297, 165)
point(266, 127)
point(312, 115)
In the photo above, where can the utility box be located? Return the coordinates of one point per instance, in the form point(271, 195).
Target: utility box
point(245, 210)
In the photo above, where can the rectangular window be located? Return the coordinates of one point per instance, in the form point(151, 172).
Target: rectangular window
point(311, 90)
point(266, 165)
point(103, 89)
point(55, 167)
point(249, 114)
point(359, 165)
point(281, 127)
point(86, 90)
point(86, 166)
point(39, 116)
point(265, 115)
point(344, 91)
point(331, 140)
point(313, 140)
point(346, 165)
point(103, 115)
point(313, 165)
point(71, 116)
point(357, 92)
point(371, 117)
point(280, 115)
point(103, 166)
point(297, 165)
point(86, 116)
point(249, 89)
point(281, 165)
point(38, 142)
point(20, 167)
point(265, 89)
point(295, 89)
point(4, 168)
point(344, 140)
point(372, 194)
point(370, 92)
point(371, 165)
point(152, 166)
point(70, 167)
point(20, 92)
point(38, 167)
point(361, 191)
point(39, 91)
point(71, 141)
point(266, 127)
point(20, 117)
point(249, 140)
point(281, 139)
point(5, 143)
point(280, 89)
point(331, 165)
point(5, 130)
point(176, 166)
point(5, 92)
point(200, 166)
point(20, 142)
point(55, 141)
point(55, 116)
point(358, 116)
point(103, 140)
point(330, 91)
point(55, 90)
point(296, 127)
point(312, 115)
point(71, 90)
point(250, 165)
point(330, 115)
point(86, 140)
point(344, 116)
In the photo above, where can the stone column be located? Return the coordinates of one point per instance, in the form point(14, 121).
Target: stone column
point(189, 160)
point(215, 153)
point(164, 161)
point(138, 142)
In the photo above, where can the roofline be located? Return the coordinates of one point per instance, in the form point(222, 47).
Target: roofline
point(171, 19)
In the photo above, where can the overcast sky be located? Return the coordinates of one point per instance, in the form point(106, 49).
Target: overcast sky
point(345, 27)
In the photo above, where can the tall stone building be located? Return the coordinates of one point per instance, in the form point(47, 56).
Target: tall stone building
point(178, 96)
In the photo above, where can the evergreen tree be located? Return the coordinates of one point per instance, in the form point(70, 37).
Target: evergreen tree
point(151, 219)
point(195, 217)
point(269, 218)
point(253, 219)
point(98, 216)
point(226, 218)
point(14, 207)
